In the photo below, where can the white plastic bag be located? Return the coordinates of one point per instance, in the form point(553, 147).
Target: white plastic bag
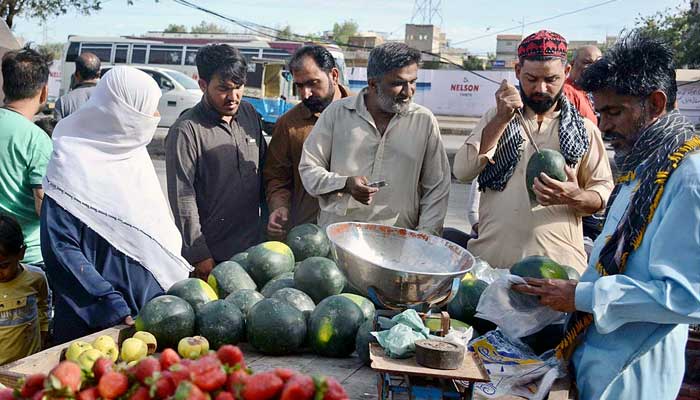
point(516, 314)
point(482, 270)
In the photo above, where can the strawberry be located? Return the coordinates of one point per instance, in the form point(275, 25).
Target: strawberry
point(31, 385)
point(208, 373)
point(334, 391)
point(230, 355)
point(6, 394)
point(284, 373)
point(89, 394)
point(102, 366)
point(188, 391)
point(236, 381)
point(299, 387)
point(66, 377)
point(168, 358)
point(146, 368)
point(163, 387)
point(263, 386)
point(224, 396)
point(140, 394)
point(179, 373)
point(112, 385)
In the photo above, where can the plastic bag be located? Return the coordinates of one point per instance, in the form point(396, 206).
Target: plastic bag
point(482, 270)
point(400, 340)
point(513, 368)
point(516, 314)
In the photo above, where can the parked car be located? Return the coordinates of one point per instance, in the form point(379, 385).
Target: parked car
point(180, 92)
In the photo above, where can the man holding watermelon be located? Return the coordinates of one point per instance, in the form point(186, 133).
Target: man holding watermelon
point(510, 226)
point(632, 307)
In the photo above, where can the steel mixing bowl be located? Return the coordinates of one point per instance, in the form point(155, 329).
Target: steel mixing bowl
point(398, 267)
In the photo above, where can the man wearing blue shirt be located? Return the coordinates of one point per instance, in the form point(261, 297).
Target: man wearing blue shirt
point(630, 311)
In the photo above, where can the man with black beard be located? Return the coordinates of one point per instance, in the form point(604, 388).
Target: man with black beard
point(378, 157)
point(316, 78)
point(498, 151)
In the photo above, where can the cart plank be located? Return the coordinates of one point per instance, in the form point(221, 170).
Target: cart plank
point(470, 370)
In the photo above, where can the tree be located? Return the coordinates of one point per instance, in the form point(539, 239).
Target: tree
point(52, 51)
point(681, 29)
point(474, 64)
point(208, 27)
point(286, 33)
point(175, 28)
point(343, 31)
point(43, 9)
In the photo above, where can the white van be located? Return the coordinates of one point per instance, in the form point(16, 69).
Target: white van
point(180, 92)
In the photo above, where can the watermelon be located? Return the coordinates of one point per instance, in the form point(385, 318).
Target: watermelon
point(244, 299)
point(194, 290)
point(300, 300)
point(572, 273)
point(362, 340)
point(275, 285)
point(463, 306)
point(168, 318)
point(268, 260)
point(319, 277)
point(221, 322)
point(242, 260)
point(539, 267)
point(364, 303)
point(549, 161)
point(228, 277)
point(308, 240)
point(333, 326)
point(275, 327)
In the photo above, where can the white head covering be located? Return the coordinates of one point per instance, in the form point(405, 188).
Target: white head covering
point(101, 173)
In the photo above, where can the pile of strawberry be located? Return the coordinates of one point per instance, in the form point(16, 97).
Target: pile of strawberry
point(216, 376)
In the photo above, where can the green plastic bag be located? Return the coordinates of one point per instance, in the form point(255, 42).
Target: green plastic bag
point(400, 340)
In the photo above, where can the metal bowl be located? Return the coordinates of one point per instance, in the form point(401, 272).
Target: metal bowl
point(398, 267)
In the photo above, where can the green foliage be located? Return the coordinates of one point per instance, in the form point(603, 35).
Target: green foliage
point(208, 27)
point(343, 31)
point(474, 64)
point(681, 29)
point(175, 28)
point(52, 51)
point(286, 33)
point(43, 9)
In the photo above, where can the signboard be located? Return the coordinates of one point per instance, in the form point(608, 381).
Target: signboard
point(449, 92)
point(498, 63)
point(689, 101)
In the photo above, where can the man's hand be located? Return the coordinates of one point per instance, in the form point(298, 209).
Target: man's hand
point(277, 223)
point(507, 101)
point(557, 294)
point(129, 321)
point(203, 268)
point(358, 189)
point(550, 192)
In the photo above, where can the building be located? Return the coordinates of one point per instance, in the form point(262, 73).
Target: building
point(506, 51)
point(695, 6)
point(425, 37)
point(577, 44)
point(365, 40)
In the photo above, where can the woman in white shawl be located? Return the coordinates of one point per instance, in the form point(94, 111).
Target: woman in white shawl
point(107, 235)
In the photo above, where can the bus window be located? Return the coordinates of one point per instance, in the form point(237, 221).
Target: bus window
point(73, 50)
point(138, 54)
point(190, 55)
point(103, 51)
point(120, 54)
point(169, 55)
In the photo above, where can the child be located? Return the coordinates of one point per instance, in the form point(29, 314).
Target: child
point(23, 297)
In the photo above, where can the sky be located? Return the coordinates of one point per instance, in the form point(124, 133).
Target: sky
point(462, 20)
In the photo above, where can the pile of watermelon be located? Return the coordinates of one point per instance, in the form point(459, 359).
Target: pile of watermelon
point(283, 298)
point(220, 376)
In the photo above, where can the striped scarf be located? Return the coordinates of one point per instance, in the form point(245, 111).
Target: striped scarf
point(573, 141)
point(659, 149)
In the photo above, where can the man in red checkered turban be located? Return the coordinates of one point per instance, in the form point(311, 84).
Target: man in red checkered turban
point(497, 153)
